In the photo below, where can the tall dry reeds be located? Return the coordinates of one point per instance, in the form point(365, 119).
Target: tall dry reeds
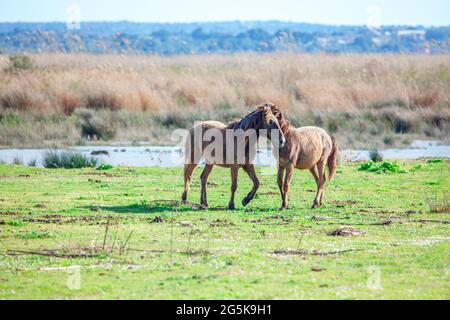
point(374, 93)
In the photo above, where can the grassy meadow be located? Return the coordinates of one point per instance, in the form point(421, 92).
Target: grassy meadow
point(379, 236)
point(370, 101)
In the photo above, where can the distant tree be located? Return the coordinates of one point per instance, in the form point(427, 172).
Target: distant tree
point(20, 62)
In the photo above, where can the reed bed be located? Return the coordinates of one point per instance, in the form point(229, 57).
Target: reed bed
point(74, 98)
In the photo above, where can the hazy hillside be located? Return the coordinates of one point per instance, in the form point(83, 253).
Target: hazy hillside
point(219, 37)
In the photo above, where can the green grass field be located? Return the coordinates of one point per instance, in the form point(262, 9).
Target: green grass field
point(132, 241)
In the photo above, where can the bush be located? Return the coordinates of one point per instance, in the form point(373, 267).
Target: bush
point(96, 126)
point(375, 156)
point(68, 160)
point(18, 100)
point(383, 167)
point(103, 100)
point(20, 62)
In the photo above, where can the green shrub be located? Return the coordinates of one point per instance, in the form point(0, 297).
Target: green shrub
point(435, 161)
point(20, 62)
point(381, 167)
point(68, 160)
point(15, 223)
point(104, 167)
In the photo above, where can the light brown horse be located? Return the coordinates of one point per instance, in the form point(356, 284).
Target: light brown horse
point(234, 153)
point(305, 148)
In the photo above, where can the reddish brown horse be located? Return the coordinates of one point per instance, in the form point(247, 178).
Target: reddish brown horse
point(305, 148)
point(237, 152)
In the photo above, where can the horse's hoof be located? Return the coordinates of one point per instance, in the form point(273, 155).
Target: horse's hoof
point(315, 206)
point(283, 208)
point(245, 201)
point(231, 207)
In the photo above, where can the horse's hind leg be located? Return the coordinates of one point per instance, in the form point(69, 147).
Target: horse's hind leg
point(320, 170)
point(250, 169)
point(315, 172)
point(188, 169)
point(204, 178)
point(234, 177)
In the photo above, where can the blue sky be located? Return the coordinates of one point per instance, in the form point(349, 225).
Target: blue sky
point(413, 12)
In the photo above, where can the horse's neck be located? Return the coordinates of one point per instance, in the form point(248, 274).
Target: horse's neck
point(290, 129)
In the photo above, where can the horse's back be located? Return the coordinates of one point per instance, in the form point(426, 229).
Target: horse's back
point(315, 144)
point(195, 143)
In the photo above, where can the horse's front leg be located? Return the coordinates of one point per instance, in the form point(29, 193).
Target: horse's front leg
point(286, 185)
point(234, 177)
point(280, 181)
point(250, 169)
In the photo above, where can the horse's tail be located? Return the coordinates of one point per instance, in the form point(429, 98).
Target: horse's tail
point(332, 159)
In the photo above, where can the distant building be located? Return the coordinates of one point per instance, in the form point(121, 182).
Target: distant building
point(417, 34)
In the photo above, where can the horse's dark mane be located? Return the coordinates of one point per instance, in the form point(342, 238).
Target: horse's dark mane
point(251, 121)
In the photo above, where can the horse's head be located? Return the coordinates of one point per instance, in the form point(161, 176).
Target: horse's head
point(271, 124)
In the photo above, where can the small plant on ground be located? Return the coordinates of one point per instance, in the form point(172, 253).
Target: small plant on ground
point(375, 156)
point(17, 160)
point(68, 160)
point(32, 163)
point(34, 235)
point(104, 167)
point(381, 167)
point(437, 204)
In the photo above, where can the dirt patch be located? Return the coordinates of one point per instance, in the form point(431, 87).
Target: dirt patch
point(268, 193)
point(198, 252)
point(385, 212)
point(383, 223)
point(221, 223)
point(256, 220)
point(9, 213)
point(95, 173)
point(208, 184)
point(345, 231)
point(281, 218)
point(430, 220)
point(157, 219)
point(60, 219)
point(177, 204)
point(343, 203)
point(317, 269)
point(54, 253)
point(319, 218)
point(302, 252)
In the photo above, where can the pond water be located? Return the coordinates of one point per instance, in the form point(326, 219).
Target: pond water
point(154, 156)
